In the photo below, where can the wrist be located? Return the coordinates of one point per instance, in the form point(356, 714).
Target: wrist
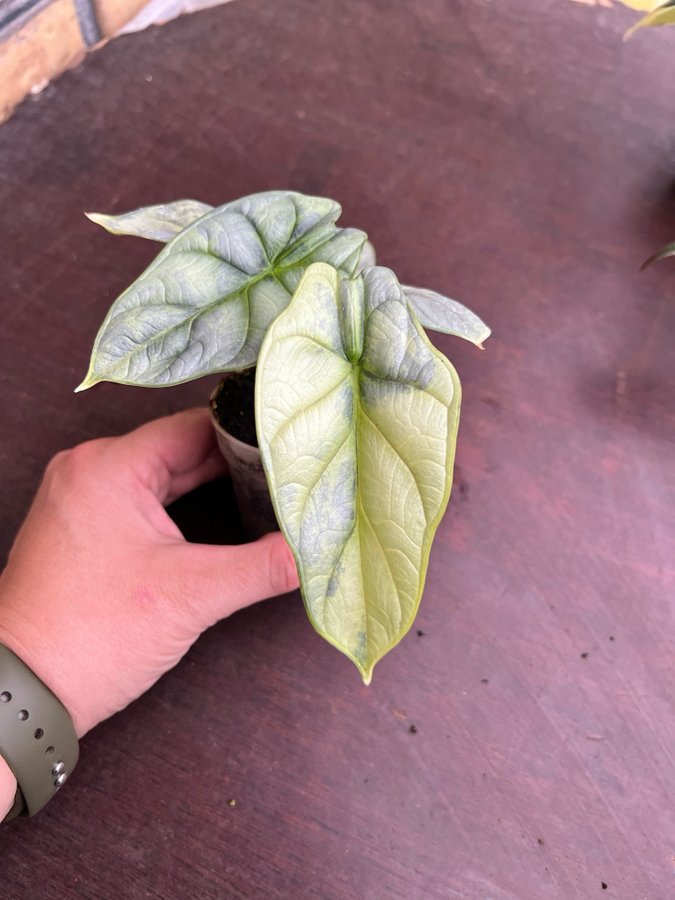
point(42, 658)
point(7, 788)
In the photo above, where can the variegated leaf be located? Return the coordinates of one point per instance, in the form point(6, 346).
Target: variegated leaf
point(357, 417)
point(203, 306)
point(439, 313)
point(157, 223)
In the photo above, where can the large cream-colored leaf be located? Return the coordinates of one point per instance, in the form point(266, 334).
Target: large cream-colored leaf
point(203, 306)
point(357, 417)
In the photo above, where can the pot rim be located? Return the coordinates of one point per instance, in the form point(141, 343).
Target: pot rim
point(223, 431)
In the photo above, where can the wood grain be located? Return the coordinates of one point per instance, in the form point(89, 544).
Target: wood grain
point(522, 163)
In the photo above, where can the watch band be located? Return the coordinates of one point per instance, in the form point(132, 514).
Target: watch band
point(37, 737)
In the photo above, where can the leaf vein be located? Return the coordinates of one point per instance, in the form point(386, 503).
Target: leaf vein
point(386, 561)
point(289, 420)
point(398, 455)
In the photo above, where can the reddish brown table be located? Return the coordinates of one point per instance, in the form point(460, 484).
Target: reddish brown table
point(520, 157)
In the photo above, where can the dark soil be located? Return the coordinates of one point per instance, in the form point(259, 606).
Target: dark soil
point(234, 406)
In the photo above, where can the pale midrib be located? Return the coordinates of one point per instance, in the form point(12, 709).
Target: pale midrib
point(361, 513)
point(357, 494)
point(361, 518)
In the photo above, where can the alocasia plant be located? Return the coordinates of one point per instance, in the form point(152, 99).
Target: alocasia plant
point(356, 411)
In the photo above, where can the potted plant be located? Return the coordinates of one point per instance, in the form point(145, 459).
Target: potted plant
point(356, 412)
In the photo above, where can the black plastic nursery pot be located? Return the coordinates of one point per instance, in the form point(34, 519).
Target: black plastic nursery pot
point(233, 416)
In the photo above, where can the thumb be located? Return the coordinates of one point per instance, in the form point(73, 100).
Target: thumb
point(214, 581)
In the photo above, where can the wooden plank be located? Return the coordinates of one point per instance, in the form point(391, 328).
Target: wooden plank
point(524, 166)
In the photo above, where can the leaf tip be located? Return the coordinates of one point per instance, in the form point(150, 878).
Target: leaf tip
point(480, 343)
point(654, 258)
point(101, 219)
point(88, 382)
point(664, 253)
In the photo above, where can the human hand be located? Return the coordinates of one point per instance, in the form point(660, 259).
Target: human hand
point(102, 594)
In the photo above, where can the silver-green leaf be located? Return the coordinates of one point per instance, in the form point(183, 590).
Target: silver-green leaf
point(357, 417)
point(157, 223)
point(203, 306)
point(439, 313)
point(367, 257)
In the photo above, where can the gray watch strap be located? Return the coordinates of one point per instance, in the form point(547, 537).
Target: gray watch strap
point(37, 737)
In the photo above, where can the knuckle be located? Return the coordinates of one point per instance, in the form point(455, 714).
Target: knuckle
point(83, 455)
point(75, 473)
point(57, 462)
point(78, 460)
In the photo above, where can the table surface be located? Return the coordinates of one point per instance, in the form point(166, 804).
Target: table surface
point(517, 156)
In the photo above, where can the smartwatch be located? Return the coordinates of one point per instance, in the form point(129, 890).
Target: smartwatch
point(37, 737)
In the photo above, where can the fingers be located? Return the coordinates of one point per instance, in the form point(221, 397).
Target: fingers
point(213, 466)
point(211, 582)
point(172, 455)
